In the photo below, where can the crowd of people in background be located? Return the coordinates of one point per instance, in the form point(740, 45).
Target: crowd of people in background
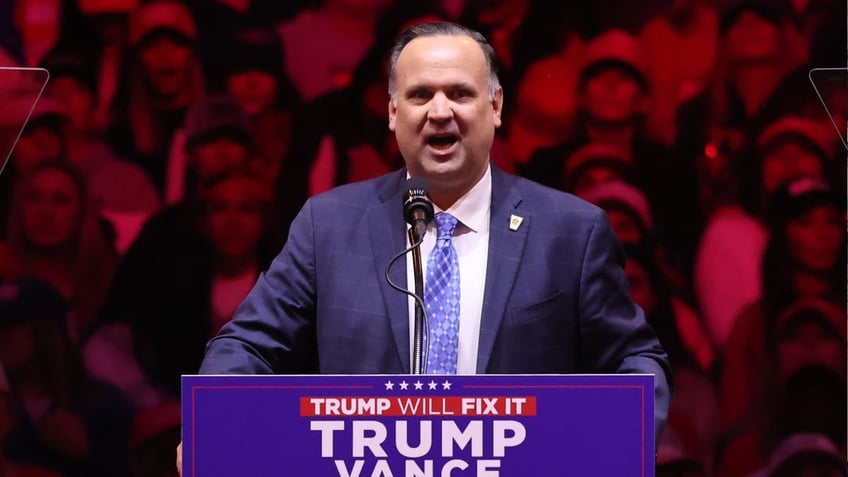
point(175, 140)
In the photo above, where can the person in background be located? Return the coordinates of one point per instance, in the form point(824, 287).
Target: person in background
point(209, 265)
point(614, 98)
point(154, 435)
point(216, 137)
point(339, 33)
point(675, 460)
point(694, 407)
point(165, 78)
point(805, 387)
point(805, 258)
point(57, 238)
point(594, 165)
point(219, 23)
point(9, 468)
point(254, 77)
point(740, 96)
point(106, 47)
point(544, 60)
point(728, 260)
point(341, 137)
point(544, 111)
point(805, 454)
point(172, 245)
point(681, 45)
point(499, 21)
point(810, 381)
point(39, 27)
point(633, 223)
point(603, 175)
point(628, 212)
point(62, 419)
point(40, 141)
point(120, 192)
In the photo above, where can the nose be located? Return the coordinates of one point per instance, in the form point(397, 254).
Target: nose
point(440, 108)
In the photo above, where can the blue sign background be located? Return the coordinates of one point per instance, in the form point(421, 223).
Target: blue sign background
point(252, 425)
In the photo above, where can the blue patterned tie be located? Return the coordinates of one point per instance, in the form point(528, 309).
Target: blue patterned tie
point(441, 299)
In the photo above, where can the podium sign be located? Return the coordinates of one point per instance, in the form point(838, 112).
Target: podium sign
point(418, 426)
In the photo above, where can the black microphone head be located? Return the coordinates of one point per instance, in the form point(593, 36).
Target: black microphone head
point(416, 198)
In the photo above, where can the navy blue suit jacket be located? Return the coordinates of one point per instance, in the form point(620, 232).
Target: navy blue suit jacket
point(556, 297)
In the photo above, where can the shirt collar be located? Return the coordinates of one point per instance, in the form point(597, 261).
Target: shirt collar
point(472, 209)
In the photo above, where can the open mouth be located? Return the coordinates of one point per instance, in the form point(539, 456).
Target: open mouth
point(442, 141)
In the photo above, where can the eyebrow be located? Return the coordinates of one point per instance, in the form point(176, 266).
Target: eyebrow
point(465, 85)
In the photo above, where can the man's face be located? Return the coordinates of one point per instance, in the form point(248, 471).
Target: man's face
point(218, 156)
point(234, 219)
point(612, 95)
point(752, 38)
point(254, 90)
point(816, 238)
point(35, 147)
point(77, 101)
point(166, 65)
point(444, 120)
point(787, 160)
point(51, 209)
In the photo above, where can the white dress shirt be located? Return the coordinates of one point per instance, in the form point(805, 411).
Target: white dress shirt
point(471, 241)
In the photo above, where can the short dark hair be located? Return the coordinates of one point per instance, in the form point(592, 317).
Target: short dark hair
point(442, 29)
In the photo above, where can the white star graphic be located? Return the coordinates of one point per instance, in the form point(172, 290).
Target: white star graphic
point(404, 385)
point(432, 385)
point(389, 385)
point(446, 385)
point(418, 385)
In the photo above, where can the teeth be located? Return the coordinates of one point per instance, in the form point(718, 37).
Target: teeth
point(442, 140)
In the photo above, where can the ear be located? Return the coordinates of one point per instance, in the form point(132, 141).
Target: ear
point(392, 115)
point(497, 107)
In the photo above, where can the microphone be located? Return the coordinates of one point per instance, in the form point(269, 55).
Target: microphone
point(417, 207)
point(418, 212)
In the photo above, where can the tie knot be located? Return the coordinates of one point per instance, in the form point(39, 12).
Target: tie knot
point(446, 224)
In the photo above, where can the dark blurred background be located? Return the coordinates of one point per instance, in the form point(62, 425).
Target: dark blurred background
point(174, 141)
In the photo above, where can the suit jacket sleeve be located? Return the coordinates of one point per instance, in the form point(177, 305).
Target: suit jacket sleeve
point(273, 330)
point(615, 337)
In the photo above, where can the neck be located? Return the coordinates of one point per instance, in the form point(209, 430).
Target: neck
point(78, 147)
point(755, 83)
point(444, 199)
point(613, 134)
point(55, 267)
point(811, 283)
point(229, 267)
point(171, 102)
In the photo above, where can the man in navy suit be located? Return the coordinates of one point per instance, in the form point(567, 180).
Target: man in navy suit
point(541, 285)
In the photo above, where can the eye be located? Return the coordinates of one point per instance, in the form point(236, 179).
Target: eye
point(461, 94)
point(419, 95)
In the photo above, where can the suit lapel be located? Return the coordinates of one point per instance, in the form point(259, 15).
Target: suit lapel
point(388, 237)
point(506, 247)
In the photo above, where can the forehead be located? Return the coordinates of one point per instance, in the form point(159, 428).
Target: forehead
point(52, 178)
point(434, 58)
